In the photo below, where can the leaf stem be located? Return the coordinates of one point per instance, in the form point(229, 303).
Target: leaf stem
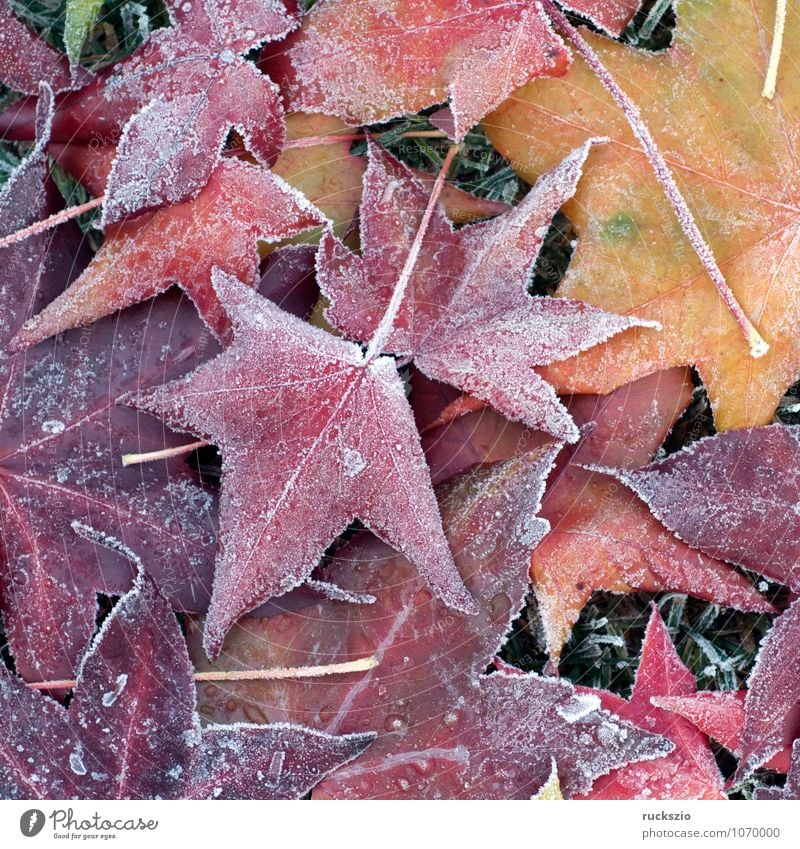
point(364, 664)
point(53, 221)
point(775, 51)
point(758, 347)
point(164, 454)
point(387, 322)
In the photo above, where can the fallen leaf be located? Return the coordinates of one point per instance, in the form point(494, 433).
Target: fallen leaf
point(466, 319)
point(26, 60)
point(61, 437)
point(445, 730)
point(689, 771)
point(366, 63)
point(734, 496)
point(139, 259)
point(352, 450)
point(719, 714)
point(772, 704)
point(733, 154)
point(603, 537)
point(135, 677)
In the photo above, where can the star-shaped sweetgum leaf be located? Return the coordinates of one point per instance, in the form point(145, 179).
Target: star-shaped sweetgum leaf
point(61, 437)
point(26, 60)
point(689, 771)
point(602, 536)
point(466, 319)
point(734, 496)
point(173, 102)
point(180, 245)
point(368, 62)
point(733, 153)
point(132, 731)
point(313, 435)
point(445, 729)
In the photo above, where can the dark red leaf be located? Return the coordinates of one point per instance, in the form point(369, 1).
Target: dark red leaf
point(733, 496)
point(313, 435)
point(445, 730)
point(466, 318)
point(132, 731)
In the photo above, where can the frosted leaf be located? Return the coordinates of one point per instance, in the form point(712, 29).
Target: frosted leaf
point(630, 548)
point(689, 771)
point(772, 704)
point(368, 62)
point(240, 204)
point(733, 496)
point(202, 87)
point(281, 483)
point(466, 319)
point(61, 437)
point(146, 742)
point(27, 60)
point(732, 151)
point(444, 730)
point(719, 714)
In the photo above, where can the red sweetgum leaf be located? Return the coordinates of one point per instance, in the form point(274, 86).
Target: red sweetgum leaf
point(467, 319)
point(603, 537)
point(689, 771)
point(719, 714)
point(366, 63)
point(180, 245)
point(772, 704)
point(26, 60)
point(60, 440)
point(312, 436)
point(445, 730)
point(136, 677)
point(172, 103)
point(733, 496)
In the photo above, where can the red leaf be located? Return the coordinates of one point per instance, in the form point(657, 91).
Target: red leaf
point(135, 678)
point(61, 437)
point(313, 435)
point(175, 100)
point(26, 60)
point(367, 62)
point(603, 537)
point(445, 730)
point(719, 714)
point(466, 319)
point(139, 259)
point(772, 704)
point(707, 492)
point(688, 772)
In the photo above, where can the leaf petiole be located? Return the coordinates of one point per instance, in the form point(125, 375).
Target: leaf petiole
point(276, 673)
